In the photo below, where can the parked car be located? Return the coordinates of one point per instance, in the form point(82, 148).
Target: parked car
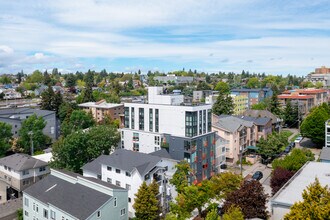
point(292, 144)
point(287, 149)
point(257, 175)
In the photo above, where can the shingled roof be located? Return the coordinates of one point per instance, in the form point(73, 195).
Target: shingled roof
point(19, 162)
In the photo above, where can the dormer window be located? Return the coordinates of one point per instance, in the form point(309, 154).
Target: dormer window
point(42, 169)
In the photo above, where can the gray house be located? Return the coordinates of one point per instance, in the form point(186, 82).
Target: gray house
point(15, 117)
point(70, 196)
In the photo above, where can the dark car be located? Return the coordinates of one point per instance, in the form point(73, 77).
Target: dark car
point(292, 144)
point(257, 175)
point(287, 149)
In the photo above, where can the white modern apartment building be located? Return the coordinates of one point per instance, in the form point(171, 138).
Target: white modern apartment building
point(64, 195)
point(327, 133)
point(166, 122)
point(129, 169)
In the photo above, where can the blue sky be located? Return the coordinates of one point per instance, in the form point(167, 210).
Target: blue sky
point(276, 37)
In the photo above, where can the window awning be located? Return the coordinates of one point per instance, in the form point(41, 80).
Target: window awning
point(252, 147)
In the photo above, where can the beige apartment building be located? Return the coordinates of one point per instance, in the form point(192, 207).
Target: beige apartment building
point(101, 109)
point(17, 172)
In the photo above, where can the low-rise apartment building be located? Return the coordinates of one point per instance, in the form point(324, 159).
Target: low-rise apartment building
point(15, 117)
point(70, 196)
point(166, 121)
point(240, 132)
point(17, 172)
point(327, 134)
point(321, 74)
point(276, 122)
point(241, 103)
point(101, 109)
point(130, 169)
point(304, 102)
point(319, 95)
point(254, 95)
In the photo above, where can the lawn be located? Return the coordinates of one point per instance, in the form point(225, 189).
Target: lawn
point(286, 133)
point(294, 137)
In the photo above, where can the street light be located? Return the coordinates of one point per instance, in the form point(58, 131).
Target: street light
point(32, 148)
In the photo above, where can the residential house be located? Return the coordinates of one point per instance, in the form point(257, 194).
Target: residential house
point(166, 121)
point(276, 122)
point(17, 172)
point(16, 116)
point(292, 191)
point(70, 196)
point(101, 109)
point(130, 169)
point(11, 94)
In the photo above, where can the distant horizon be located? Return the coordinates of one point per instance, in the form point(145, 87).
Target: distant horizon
point(274, 37)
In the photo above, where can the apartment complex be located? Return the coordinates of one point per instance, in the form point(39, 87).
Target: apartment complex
point(327, 133)
point(101, 109)
point(184, 130)
point(202, 94)
point(130, 169)
point(254, 95)
point(70, 196)
point(276, 122)
point(240, 133)
point(174, 79)
point(305, 98)
point(17, 172)
point(321, 74)
point(241, 102)
point(15, 117)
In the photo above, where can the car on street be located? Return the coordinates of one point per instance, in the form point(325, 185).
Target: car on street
point(257, 175)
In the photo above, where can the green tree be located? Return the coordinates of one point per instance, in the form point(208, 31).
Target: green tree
point(233, 213)
point(295, 160)
point(47, 99)
point(35, 77)
point(224, 183)
point(203, 86)
point(273, 145)
point(5, 137)
point(291, 114)
point(5, 80)
point(319, 85)
point(65, 110)
point(70, 80)
point(47, 80)
point(275, 105)
point(78, 119)
point(315, 204)
point(250, 197)
point(313, 125)
point(88, 92)
point(146, 204)
point(253, 83)
point(20, 214)
point(32, 129)
point(259, 106)
point(223, 105)
point(222, 87)
point(57, 102)
point(75, 150)
point(212, 215)
point(181, 176)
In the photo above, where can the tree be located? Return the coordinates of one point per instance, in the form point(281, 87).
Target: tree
point(253, 83)
point(313, 125)
point(32, 128)
point(76, 149)
point(78, 119)
point(291, 114)
point(212, 215)
point(222, 87)
point(181, 175)
point(57, 102)
point(70, 80)
point(233, 213)
point(5, 137)
point(275, 105)
point(35, 77)
point(203, 86)
point(47, 79)
point(295, 160)
point(19, 77)
point(259, 106)
point(224, 183)
point(223, 105)
point(65, 110)
point(5, 80)
point(88, 92)
point(319, 85)
point(315, 204)
point(279, 177)
point(20, 214)
point(146, 204)
point(47, 97)
point(272, 146)
point(250, 197)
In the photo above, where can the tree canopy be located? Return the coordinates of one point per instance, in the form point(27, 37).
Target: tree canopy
point(5, 137)
point(181, 176)
point(273, 145)
point(78, 119)
point(279, 177)
point(222, 87)
point(315, 204)
point(223, 105)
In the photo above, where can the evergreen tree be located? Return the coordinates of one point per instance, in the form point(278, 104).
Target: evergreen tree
point(146, 204)
point(291, 115)
point(47, 79)
point(88, 92)
point(275, 105)
point(223, 105)
point(5, 137)
point(47, 99)
point(57, 101)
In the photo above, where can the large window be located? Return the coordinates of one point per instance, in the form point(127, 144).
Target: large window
point(126, 121)
point(200, 122)
point(151, 121)
point(156, 120)
point(136, 147)
point(191, 124)
point(209, 120)
point(135, 136)
point(141, 118)
point(132, 118)
point(204, 121)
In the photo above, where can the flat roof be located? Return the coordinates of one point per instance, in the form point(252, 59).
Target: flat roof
point(292, 191)
point(295, 97)
point(100, 105)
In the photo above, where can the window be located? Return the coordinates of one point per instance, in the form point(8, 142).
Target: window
point(132, 118)
point(204, 121)
point(109, 168)
point(34, 206)
point(52, 130)
point(128, 187)
point(136, 147)
point(6, 167)
point(117, 183)
point(151, 121)
point(45, 213)
point(9, 169)
point(52, 214)
point(117, 170)
point(209, 120)
point(25, 172)
point(135, 136)
point(115, 202)
point(126, 116)
point(128, 173)
point(191, 124)
point(122, 211)
point(99, 176)
point(26, 202)
point(62, 217)
point(200, 122)
point(26, 213)
point(98, 214)
point(26, 182)
point(109, 180)
point(37, 209)
point(41, 169)
point(156, 120)
point(157, 140)
point(141, 118)
point(129, 199)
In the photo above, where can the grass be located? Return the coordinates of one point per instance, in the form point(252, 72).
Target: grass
point(294, 137)
point(286, 133)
